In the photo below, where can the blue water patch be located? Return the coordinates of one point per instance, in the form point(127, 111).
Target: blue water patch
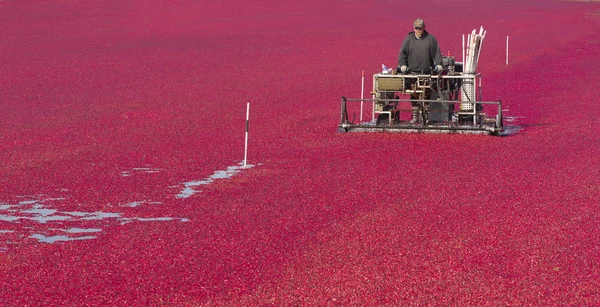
point(45, 217)
point(43, 239)
point(81, 230)
point(8, 218)
point(49, 220)
point(188, 188)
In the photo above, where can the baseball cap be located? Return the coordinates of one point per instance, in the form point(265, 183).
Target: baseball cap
point(419, 23)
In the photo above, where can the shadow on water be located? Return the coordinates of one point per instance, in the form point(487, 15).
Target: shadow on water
point(509, 130)
point(515, 125)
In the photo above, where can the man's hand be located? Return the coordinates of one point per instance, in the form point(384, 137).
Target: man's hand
point(439, 69)
point(403, 69)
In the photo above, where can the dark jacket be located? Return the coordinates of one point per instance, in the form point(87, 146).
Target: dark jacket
point(420, 55)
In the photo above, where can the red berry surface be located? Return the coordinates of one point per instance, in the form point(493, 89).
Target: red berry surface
point(122, 132)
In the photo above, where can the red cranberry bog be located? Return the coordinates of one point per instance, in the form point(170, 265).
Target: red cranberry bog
point(122, 135)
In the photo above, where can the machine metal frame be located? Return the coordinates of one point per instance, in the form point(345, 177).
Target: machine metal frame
point(443, 91)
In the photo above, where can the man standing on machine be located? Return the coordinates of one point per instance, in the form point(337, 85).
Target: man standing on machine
point(419, 54)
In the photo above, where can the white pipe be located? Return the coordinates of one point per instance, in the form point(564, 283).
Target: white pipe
point(362, 94)
point(480, 44)
point(474, 47)
point(463, 50)
point(246, 142)
point(468, 66)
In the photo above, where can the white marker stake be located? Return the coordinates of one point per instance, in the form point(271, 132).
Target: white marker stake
point(246, 143)
point(507, 50)
point(362, 93)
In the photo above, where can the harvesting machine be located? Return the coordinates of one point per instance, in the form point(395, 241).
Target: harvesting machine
point(445, 102)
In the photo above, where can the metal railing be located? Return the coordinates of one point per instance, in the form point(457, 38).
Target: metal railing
point(498, 124)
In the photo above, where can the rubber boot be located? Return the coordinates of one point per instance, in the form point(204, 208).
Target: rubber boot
point(415, 114)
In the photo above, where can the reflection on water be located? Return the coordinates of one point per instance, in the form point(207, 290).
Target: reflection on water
point(188, 190)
